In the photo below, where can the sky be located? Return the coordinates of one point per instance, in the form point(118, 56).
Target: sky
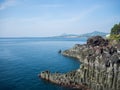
point(43, 18)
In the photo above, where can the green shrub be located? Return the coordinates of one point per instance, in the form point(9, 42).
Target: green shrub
point(115, 32)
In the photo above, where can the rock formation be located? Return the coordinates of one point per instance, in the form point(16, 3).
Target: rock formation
point(99, 69)
point(97, 41)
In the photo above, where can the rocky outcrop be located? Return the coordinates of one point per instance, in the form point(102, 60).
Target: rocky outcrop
point(100, 66)
point(99, 69)
point(97, 41)
point(71, 79)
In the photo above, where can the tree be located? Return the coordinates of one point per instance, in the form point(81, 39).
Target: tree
point(116, 29)
point(115, 32)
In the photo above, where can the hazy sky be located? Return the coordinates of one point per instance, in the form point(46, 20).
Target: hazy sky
point(26, 18)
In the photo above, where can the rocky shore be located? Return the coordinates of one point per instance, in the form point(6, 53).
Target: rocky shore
point(99, 69)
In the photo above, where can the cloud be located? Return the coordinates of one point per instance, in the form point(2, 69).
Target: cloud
point(6, 4)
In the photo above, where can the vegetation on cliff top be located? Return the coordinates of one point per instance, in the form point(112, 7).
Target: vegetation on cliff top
point(115, 32)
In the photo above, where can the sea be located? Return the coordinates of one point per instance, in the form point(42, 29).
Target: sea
point(22, 59)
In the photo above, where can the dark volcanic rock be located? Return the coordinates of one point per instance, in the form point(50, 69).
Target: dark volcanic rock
point(97, 41)
point(99, 68)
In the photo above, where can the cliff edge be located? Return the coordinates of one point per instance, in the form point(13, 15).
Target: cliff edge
point(99, 69)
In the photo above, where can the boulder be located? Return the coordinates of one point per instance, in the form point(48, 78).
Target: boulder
point(97, 41)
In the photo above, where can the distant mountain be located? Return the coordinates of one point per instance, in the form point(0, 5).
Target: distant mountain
point(69, 35)
point(95, 33)
point(87, 35)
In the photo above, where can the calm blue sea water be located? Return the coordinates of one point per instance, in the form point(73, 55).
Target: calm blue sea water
point(21, 60)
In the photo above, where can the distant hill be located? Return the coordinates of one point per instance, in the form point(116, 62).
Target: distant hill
point(95, 33)
point(86, 35)
point(69, 35)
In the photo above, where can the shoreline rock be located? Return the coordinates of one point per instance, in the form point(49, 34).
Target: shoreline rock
point(70, 79)
point(99, 69)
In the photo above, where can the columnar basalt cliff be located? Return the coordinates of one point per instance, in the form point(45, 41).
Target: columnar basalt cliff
point(99, 69)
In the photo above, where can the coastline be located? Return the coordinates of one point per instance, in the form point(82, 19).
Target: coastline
point(100, 68)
